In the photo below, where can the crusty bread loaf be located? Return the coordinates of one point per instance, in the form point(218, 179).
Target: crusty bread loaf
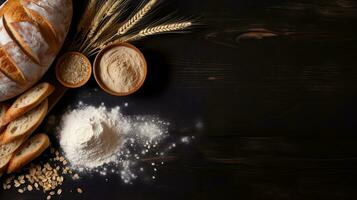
point(30, 150)
point(31, 34)
point(27, 101)
point(4, 161)
point(26, 124)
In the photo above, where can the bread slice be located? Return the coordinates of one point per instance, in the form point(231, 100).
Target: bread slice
point(9, 148)
point(26, 124)
point(27, 101)
point(30, 150)
point(19, 24)
point(4, 161)
point(3, 109)
point(9, 68)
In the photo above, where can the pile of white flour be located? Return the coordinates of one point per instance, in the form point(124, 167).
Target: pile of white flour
point(94, 138)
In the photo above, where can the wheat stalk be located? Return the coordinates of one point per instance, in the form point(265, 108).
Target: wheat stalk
point(112, 17)
point(114, 7)
point(88, 12)
point(99, 17)
point(158, 30)
point(143, 33)
point(136, 18)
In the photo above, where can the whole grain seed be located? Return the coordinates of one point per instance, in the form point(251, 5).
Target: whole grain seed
point(29, 187)
point(79, 190)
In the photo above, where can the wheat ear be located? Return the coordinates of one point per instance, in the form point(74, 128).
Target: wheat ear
point(158, 30)
point(112, 17)
point(98, 18)
point(145, 32)
point(136, 18)
point(89, 11)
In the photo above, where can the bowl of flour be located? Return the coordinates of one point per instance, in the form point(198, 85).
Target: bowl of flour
point(120, 69)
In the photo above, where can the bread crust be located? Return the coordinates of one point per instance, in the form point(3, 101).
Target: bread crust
point(13, 19)
point(3, 110)
point(4, 161)
point(9, 148)
point(46, 29)
point(9, 137)
point(9, 68)
point(19, 161)
point(15, 112)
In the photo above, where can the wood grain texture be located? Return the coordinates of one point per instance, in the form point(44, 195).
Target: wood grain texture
point(268, 88)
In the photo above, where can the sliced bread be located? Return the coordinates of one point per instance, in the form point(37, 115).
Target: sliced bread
point(3, 109)
point(26, 124)
point(27, 101)
point(30, 150)
point(4, 161)
point(9, 148)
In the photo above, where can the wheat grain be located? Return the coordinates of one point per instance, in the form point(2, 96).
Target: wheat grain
point(136, 18)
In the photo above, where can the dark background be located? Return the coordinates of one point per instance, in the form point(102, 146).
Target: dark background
point(267, 87)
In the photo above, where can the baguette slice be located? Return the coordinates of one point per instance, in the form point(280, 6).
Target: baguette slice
point(26, 124)
point(9, 148)
point(28, 101)
point(4, 161)
point(3, 109)
point(30, 150)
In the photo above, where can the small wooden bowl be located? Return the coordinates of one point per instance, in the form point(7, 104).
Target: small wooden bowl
point(96, 67)
point(82, 82)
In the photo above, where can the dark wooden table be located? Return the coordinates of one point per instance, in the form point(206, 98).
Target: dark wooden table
point(267, 87)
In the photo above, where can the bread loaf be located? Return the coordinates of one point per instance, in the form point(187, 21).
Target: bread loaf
point(30, 150)
point(31, 34)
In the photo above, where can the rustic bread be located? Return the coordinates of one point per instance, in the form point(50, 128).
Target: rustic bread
point(26, 124)
point(4, 161)
point(30, 150)
point(27, 101)
point(31, 34)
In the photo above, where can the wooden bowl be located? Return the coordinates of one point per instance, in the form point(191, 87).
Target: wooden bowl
point(85, 79)
point(96, 68)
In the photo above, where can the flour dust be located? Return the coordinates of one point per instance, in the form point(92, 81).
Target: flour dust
point(103, 140)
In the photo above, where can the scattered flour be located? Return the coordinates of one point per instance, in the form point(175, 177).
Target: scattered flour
point(98, 139)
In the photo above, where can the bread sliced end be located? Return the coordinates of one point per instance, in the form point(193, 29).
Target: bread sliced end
point(28, 151)
point(4, 161)
point(28, 101)
point(11, 132)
